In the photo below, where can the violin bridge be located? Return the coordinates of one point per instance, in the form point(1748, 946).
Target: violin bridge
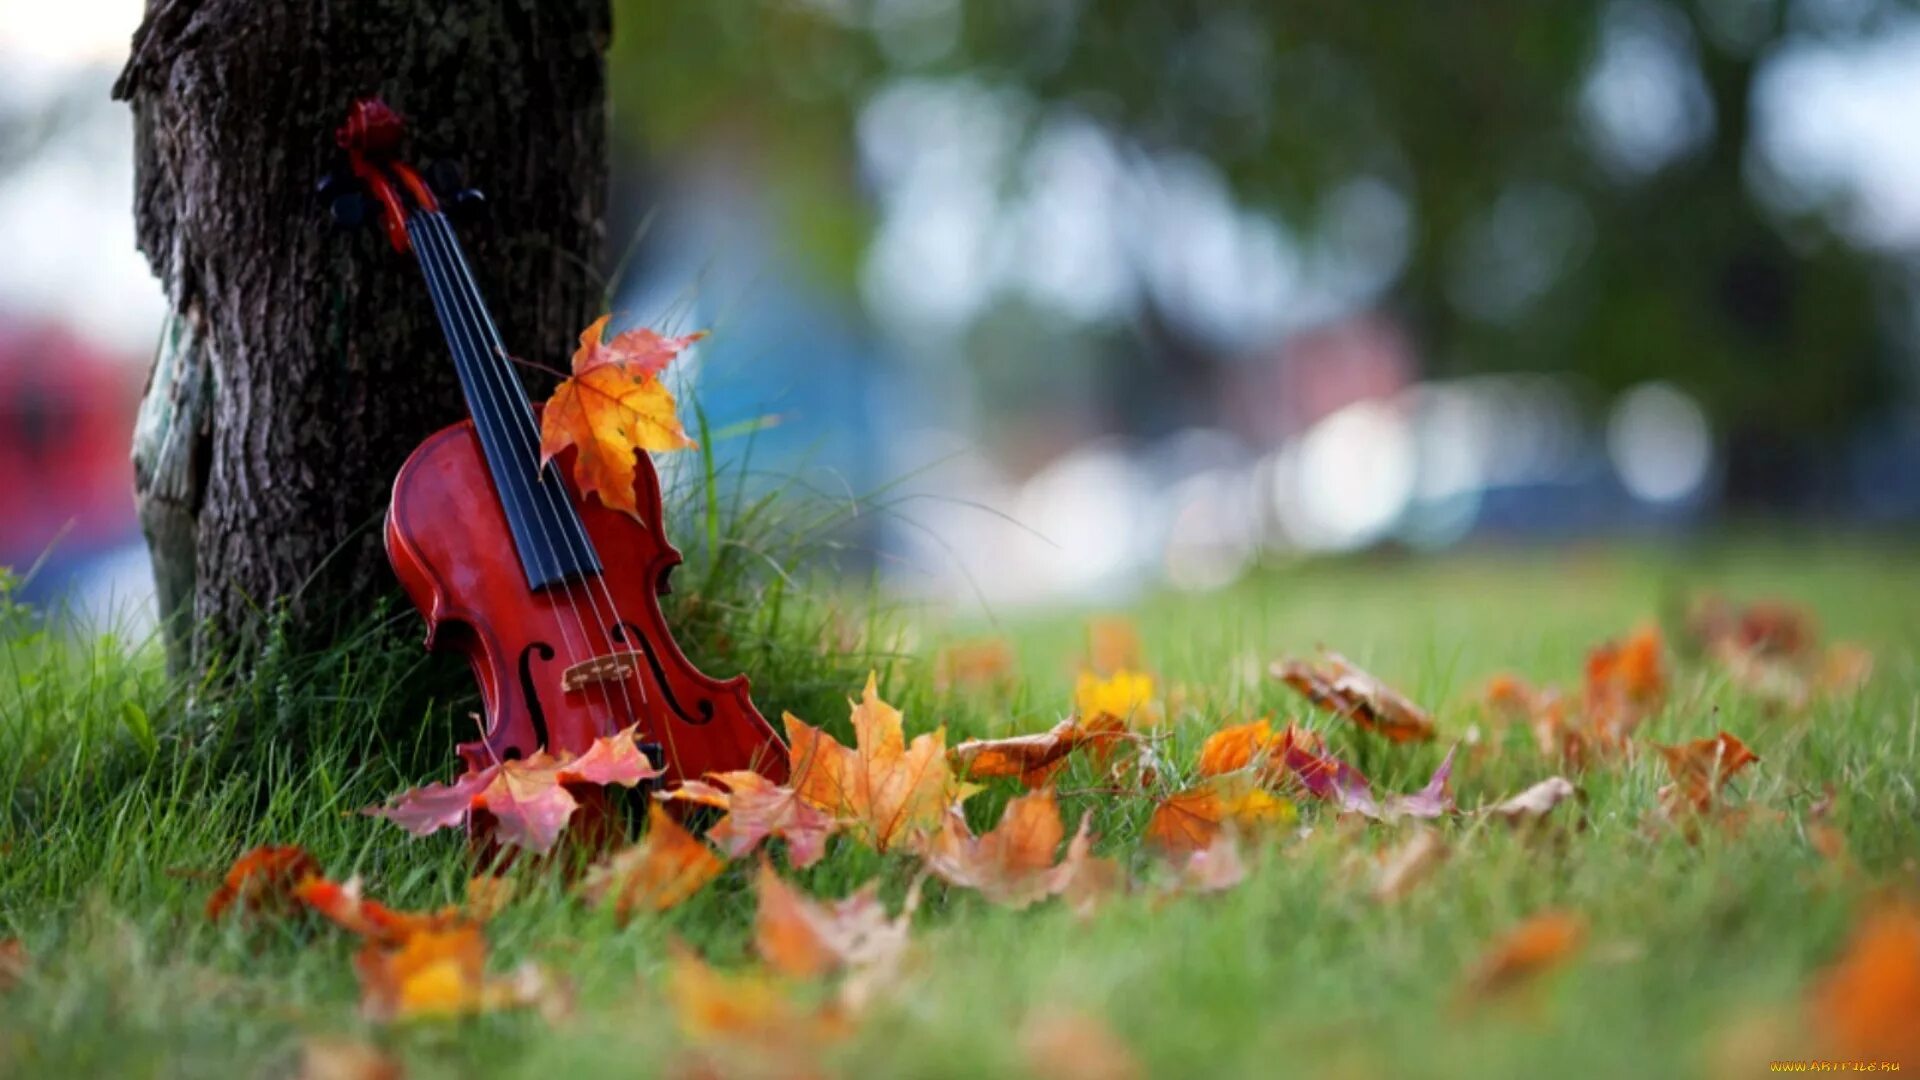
point(609, 668)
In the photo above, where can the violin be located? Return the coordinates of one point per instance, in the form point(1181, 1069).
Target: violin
point(553, 598)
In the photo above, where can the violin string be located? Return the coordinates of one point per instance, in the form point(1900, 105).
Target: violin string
point(462, 336)
point(522, 418)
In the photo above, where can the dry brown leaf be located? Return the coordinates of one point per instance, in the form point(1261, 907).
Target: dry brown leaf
point(667, 866)
point(1867, 1005)
point(1340, 686)
point(1409, 864)
point(1534, 803)
point(756, 809)
point(1190, 820)
point(1033, 758)
point(745, 1008)
point(1537, 945)
point(890, 790)
point(1074, 1046)
point(1700, 769)
point(346, 1059)
point(1013, 863)
point(1214, 868)
point(1626, 682)
point(263, 879)
point(802, 938)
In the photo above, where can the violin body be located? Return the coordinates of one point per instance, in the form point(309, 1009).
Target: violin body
point(448, 539)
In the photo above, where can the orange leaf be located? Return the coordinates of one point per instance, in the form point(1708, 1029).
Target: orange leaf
point(613, 407)
point(1535, 946)
point(263, 878)
point(666, 867)
point(1336, 684)
point(1626, 681)
point(887, 788)
point(15, 962)
point(744, 1008)
point(973, 665)
point(1701, 768)
point(803, 938)
point(1867, 1004)
point(1191, 820)
point(342, 1059)
point(1032, 758)
point(1074, 1046)
point(1234, 748)
point(488, 895)
point(1214, 868)
point(432, 973)
point(1012, 863)
point(344, 906)
point(756, 809)
point(1113, 645)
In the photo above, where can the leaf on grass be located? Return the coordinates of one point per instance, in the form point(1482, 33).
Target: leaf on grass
point(666, 867)
point(1867, 1005)
point(1535, 802)
point(756, 809)
point(1626, 681)
point(888, 789)
point(433, 973)
point(1409, 864)
point(1012, 863)
point(15, 963)
point(1700, 769)
point(973, 666)
point(612, 408)
point(1032, 758)
point(745, 1008)
point(802, 938)
point(528, 798)
point(1340, 686)
point(344, 906)
point(1113, 645)
point(1233, 748)
point(1537, 945)
point(1214, 868)
point(1126, 696)
point(346, 1059)
point(1191, 820)
point(263, 879)
point(1074, 1046)
point(1431, 801)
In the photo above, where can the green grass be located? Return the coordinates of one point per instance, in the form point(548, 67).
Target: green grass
point(123, 793)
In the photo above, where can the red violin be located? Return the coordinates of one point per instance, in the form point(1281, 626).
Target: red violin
point(552, 597)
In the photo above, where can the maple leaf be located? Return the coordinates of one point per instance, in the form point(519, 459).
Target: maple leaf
point(1429, 802)
point(745, 1008)
point(1535, 802)
point(973, 666)
point(1033, 758)
point(1012, 863)
point(1125, 695)
point(1526, 951)
point(1233, 748)
point(612, 408)
point(1626, 681)
point(1865, 1005)
point(1409, 864)
point(432, 973)
point(263, 878)
point(802, 938)
point(1214, 868)
point(1190, 820)
point(887, 788)
point(667, 866)
point(1700, 769)
point(344, 906)
point(527, 799)
point(1338, 685)
point(756, 809)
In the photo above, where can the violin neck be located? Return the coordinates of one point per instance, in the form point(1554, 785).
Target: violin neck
point(547, 534)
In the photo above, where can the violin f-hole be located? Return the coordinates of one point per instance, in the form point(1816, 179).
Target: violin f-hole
point(626, 633)
point(529, 689)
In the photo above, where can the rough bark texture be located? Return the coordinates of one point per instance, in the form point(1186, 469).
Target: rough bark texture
point(303, 364)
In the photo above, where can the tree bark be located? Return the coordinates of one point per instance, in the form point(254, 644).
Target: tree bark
point(303, 364)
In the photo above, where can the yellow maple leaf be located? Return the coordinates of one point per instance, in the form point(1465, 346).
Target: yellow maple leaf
point(613, 407)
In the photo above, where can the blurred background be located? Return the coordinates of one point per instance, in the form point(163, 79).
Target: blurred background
point(1096, 298)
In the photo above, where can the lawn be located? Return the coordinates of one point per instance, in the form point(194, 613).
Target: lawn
point(127, 796)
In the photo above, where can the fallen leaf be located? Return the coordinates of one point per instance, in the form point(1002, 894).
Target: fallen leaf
point(1338, 685)
point(1535, 946)
point(1190, 820)
point(1431, 801)
point(528, 799)
point(1214, 868)
point(346, 1059)
point(1626, 681)
point(803, 938)
point(888, 789)
point(1535, 802)
point(973, 666)
point(667, 865)
point(344, 906)
point(1700, 769)
point(1867, 1005)
point(15, 963)
point(1032, 758)
point(1231, 749)
point(1084, 880)
point(1074, 1046)
point(432, 973)
point(1011, 864)
point(1113, 645)
point(744, 1008)
point(263, 879)
point(756, 809)
point(612, 408)
point(1409, 864)
point(1125, 695)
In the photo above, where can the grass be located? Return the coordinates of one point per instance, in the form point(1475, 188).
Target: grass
point(124, 792)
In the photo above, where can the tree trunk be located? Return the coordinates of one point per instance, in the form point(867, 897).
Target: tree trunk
point(302, 364)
